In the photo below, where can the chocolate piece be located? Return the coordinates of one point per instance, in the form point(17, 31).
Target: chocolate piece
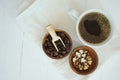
point(50, 50)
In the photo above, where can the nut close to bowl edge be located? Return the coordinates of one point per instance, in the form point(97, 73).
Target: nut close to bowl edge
point(84, 70)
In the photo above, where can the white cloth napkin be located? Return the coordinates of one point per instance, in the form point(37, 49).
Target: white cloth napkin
point(33, 21)
point(24, 4)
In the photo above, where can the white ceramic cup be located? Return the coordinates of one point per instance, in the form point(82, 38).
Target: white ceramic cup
point(78, 17)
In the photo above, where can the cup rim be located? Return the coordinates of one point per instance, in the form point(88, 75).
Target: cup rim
point(107, 15)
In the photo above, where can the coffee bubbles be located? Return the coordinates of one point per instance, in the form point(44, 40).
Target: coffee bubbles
point(94, 27)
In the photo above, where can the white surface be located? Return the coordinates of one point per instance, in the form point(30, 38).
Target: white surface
point(20, 56)
point(24, 4)
point(110, 70)
point(41, 13)
point(36, 65)
point(10, 41)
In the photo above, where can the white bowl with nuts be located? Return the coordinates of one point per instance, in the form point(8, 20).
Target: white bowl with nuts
point(83, 60)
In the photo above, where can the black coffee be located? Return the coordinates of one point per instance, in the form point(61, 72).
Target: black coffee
point(94, 27)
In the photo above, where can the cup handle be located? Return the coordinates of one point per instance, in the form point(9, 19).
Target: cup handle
point(74, 14)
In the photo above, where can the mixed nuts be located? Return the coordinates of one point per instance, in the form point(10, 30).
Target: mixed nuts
point(82, 60)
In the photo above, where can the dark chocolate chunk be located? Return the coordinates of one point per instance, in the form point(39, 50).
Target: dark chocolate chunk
point(51, 51)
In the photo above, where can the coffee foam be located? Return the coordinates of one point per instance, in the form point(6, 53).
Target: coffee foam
point(103, 23)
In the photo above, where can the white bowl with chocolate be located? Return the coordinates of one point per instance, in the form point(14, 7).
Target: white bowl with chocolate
point(83, 60)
